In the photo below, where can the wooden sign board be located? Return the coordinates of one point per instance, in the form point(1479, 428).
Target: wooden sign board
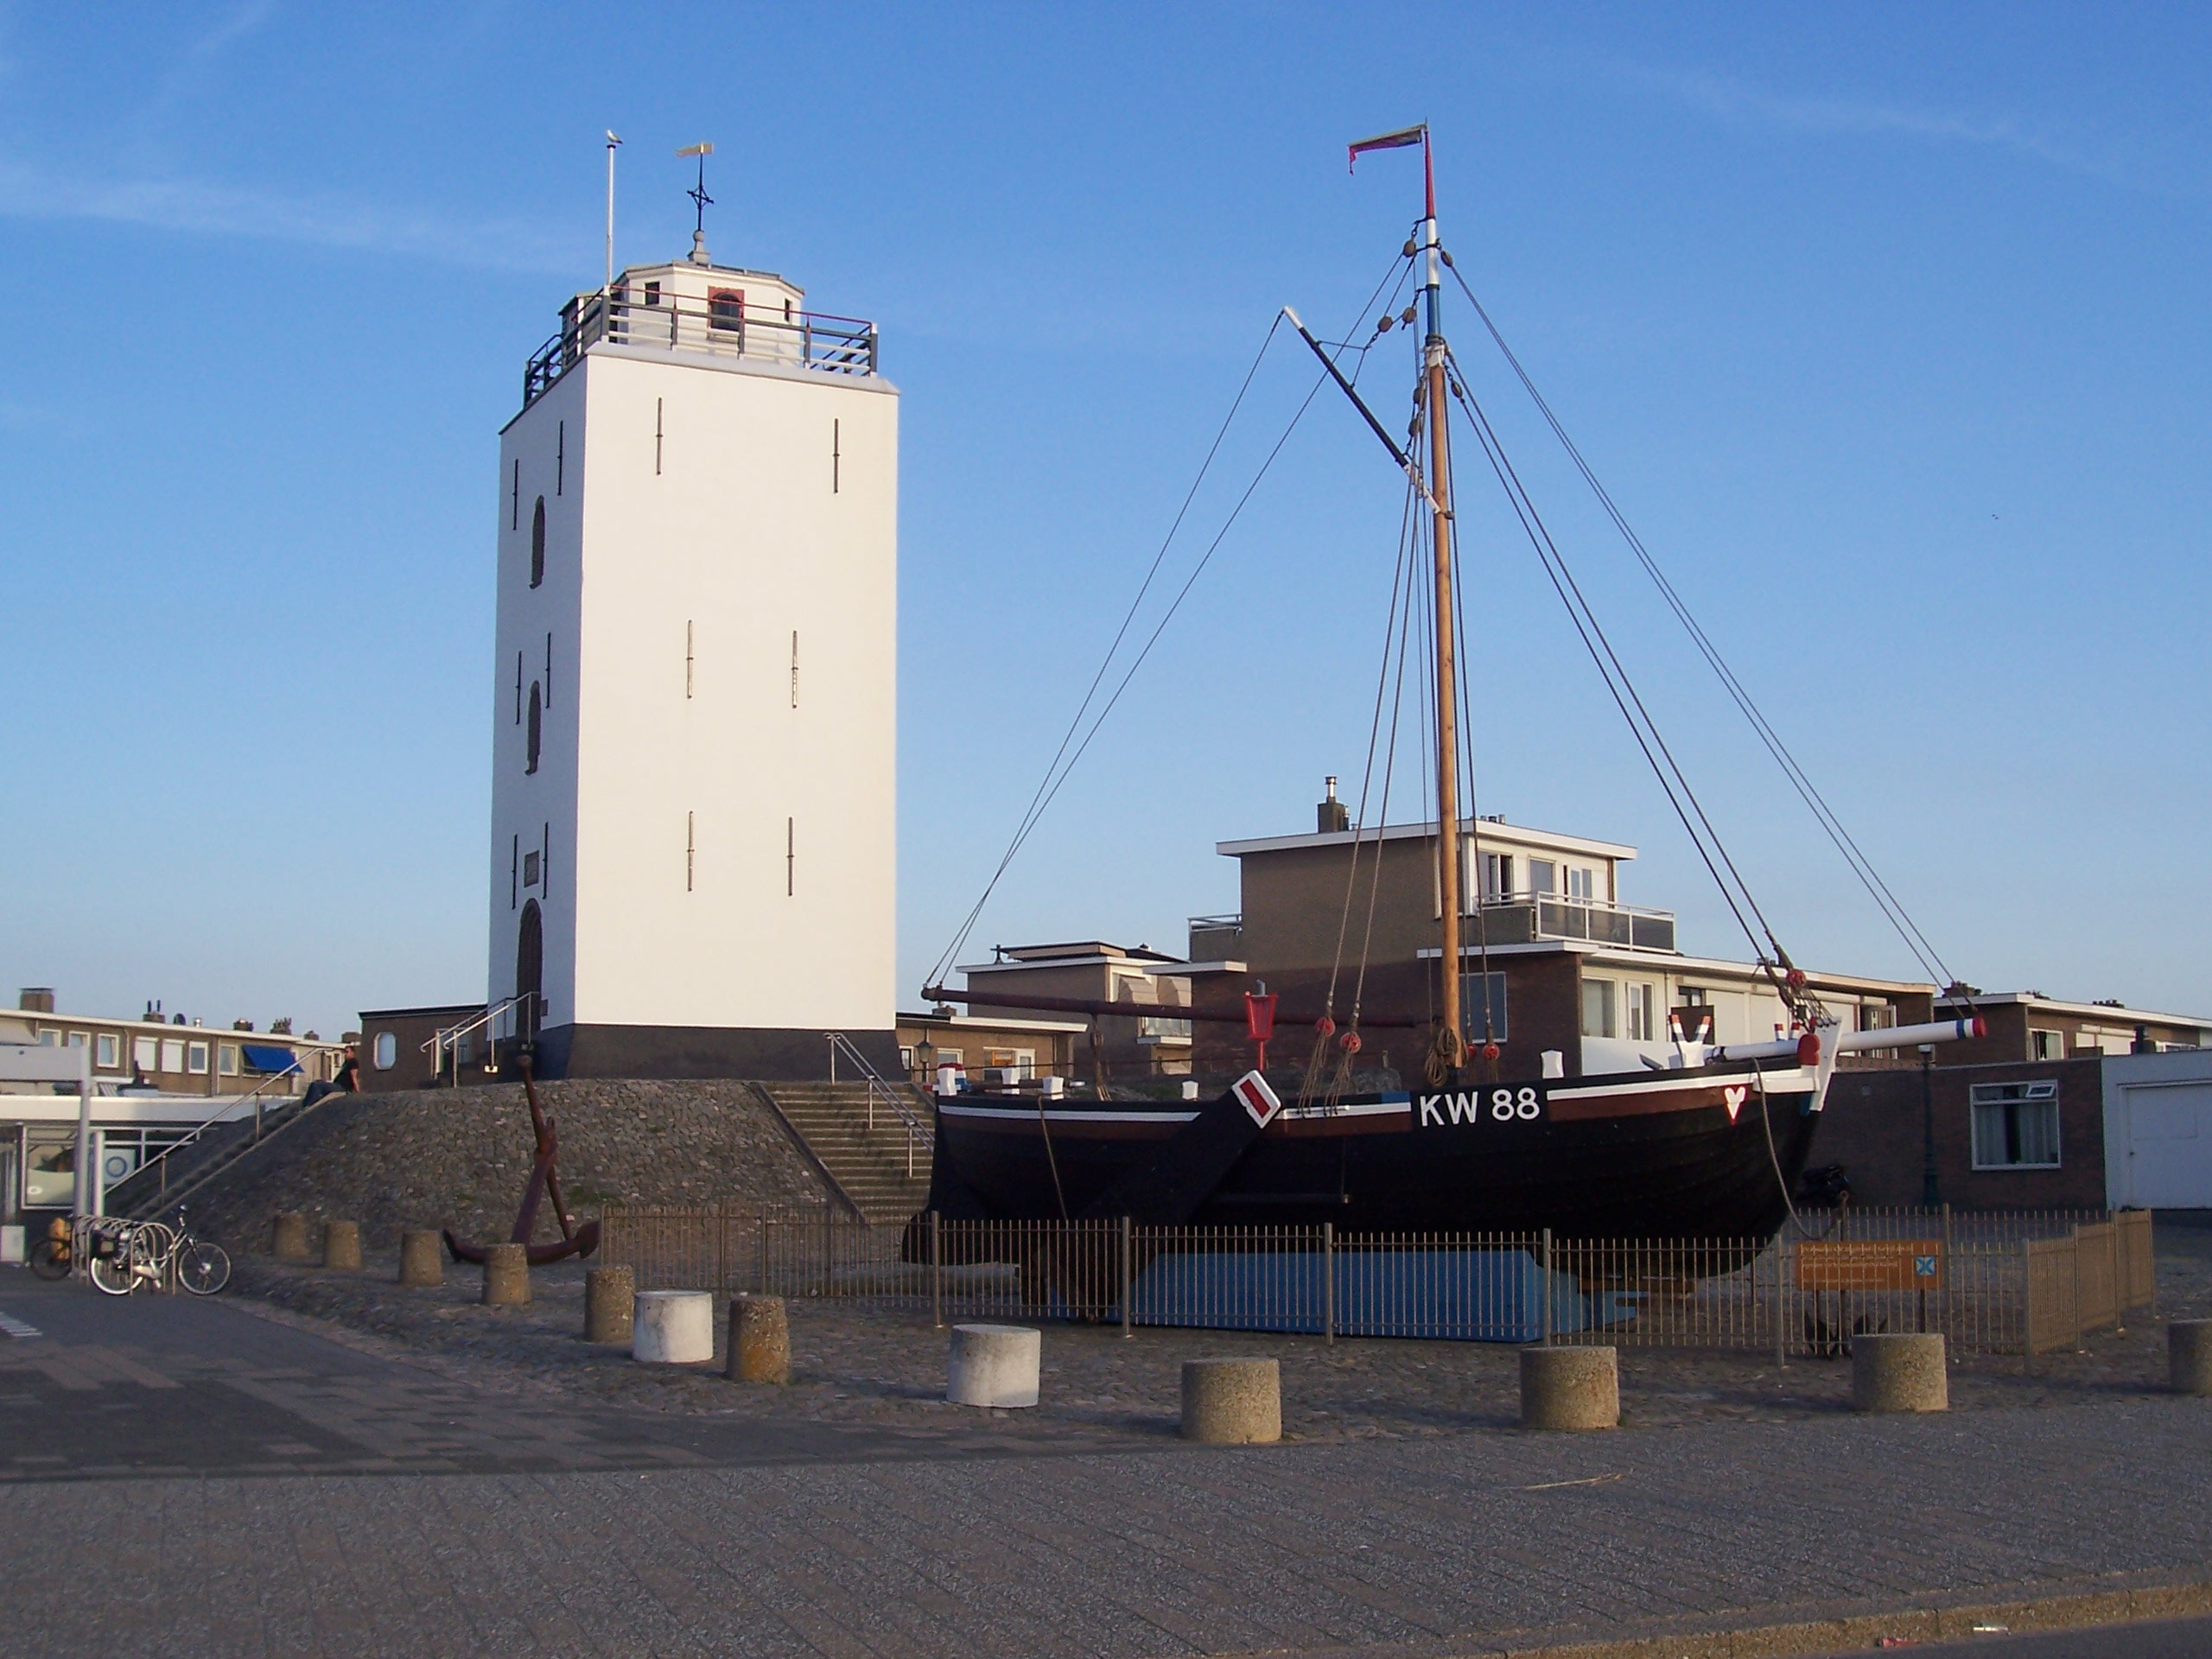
point(1870, 1264)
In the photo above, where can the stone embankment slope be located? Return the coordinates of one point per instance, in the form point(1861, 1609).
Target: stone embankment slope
point(461, 1157)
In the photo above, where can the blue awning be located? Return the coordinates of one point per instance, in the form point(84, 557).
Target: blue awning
point(267, 1057)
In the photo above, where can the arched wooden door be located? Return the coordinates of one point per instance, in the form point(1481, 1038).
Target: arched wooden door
point(530, 972)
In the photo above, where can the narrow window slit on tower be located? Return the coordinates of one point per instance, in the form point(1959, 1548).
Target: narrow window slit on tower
point(537, 544)
point(837, 453)
point(514, 872)
point(687, 659)
point(794, 668)
point(790, 858)
point(690, 847)
point(549, 671)
point(561, 457)
point(545, 857)
point(657, 401)
point(514, 500)
point(529, 740)
point(517, 688)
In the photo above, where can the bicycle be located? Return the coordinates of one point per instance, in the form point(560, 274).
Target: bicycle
point(202, 1266)
point(125, 1254)
point(52, 1256)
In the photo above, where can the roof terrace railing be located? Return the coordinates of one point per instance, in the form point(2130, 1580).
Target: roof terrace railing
point(1528, 916)
point(654, 319)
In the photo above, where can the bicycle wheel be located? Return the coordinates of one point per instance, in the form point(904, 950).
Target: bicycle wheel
point(203, 1269)
point(112, 1273)
point(48, 1261)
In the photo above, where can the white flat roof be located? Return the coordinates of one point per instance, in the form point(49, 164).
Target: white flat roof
point(2080, 1010)
point(1478, 829)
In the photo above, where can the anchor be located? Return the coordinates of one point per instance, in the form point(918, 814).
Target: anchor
point(544, 1179)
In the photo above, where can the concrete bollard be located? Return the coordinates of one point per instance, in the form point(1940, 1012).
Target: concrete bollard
point(1898, 1370)
point(289, 1241)
point(506, 1276)
point(1570, 1388)
point(610, 1305)
point(1232, 1402)
point(2189, 1356)
point(994, 1365)
point(759, 1340)
point(421, 1261)
point(341, 1246)
point(672, 1327)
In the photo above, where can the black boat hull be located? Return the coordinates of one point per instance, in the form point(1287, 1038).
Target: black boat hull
point(1705, 1154)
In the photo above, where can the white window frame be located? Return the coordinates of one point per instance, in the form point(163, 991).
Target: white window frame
point(383, 1051)
point(228, 1059)
point(1642, 1012)
point(197, 1058)
point(172, 1048)
point(2046, 1043)
point(107, 1052)
point(146, 1053)
point(2037, 1091)
point(1611, 1021)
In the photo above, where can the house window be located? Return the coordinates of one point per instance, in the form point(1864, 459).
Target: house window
point(1643, 1014)
point(652, 293)
point(226, 1057)
point(1580, 882)
point(536, 712)
point(385, 1053)
point(195, 1059)
point(146, 1053)
point(2016, 1125)
point(107, 1052)
point(726, 309)
point(1597, 1009)
point(1498, 875)
point(2046, 1045)
point(530, 869)
point(1482, 1006)
point(1543, 875)
point(172, 1054)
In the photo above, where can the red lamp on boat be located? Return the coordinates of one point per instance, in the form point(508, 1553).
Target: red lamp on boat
point(1260, 1018)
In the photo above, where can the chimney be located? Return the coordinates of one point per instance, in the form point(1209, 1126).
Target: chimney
point(1331, 816)
point(37, 999)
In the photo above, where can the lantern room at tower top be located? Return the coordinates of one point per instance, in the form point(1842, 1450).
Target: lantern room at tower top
point(692, 861)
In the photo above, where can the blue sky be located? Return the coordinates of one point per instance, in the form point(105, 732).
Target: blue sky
point(1887, 327)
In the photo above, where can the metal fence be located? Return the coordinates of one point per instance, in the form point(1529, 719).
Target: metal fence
point(2022, 1283)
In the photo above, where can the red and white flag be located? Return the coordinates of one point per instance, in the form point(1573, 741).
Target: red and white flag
point(1398, 140)
point(1259, 1100)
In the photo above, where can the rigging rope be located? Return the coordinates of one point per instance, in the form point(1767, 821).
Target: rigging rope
point(1063, 763)
point(1640, 723)
point(1916, 941)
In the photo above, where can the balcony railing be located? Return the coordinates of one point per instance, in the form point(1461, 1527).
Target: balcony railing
point(1524, 918)
point(806, 340)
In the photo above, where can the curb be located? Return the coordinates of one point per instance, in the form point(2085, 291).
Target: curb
point(2118, 1598)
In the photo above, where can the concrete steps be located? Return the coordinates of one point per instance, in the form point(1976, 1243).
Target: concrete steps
point(869, 1165)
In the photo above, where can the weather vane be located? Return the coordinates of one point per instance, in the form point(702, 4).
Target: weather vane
point(700, 199)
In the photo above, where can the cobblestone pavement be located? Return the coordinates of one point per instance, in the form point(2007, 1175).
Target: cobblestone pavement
point(233, 1471)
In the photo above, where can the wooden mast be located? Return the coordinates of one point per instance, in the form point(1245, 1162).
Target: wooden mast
point(1450, 1042)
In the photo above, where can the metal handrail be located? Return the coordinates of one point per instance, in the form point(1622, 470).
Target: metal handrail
point(447, 1036)
point(806, 340)
point(877, 1084)
point(230, 1106)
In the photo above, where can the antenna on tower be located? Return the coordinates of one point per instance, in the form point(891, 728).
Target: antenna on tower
point(700, 200)
point(613, 144)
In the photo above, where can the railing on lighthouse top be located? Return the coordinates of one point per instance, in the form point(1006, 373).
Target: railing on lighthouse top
point(643, 316)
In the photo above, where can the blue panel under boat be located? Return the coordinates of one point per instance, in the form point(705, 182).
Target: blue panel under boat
point(1451, 1295)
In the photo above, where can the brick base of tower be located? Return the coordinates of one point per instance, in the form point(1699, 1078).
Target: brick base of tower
point(771, 1055)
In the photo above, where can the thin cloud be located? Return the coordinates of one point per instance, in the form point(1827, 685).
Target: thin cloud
point(1733, 100)
point(197, 207)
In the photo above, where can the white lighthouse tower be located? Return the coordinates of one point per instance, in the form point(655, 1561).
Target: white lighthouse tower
point(693, 795)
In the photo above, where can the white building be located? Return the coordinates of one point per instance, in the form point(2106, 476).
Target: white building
point(693, 717)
